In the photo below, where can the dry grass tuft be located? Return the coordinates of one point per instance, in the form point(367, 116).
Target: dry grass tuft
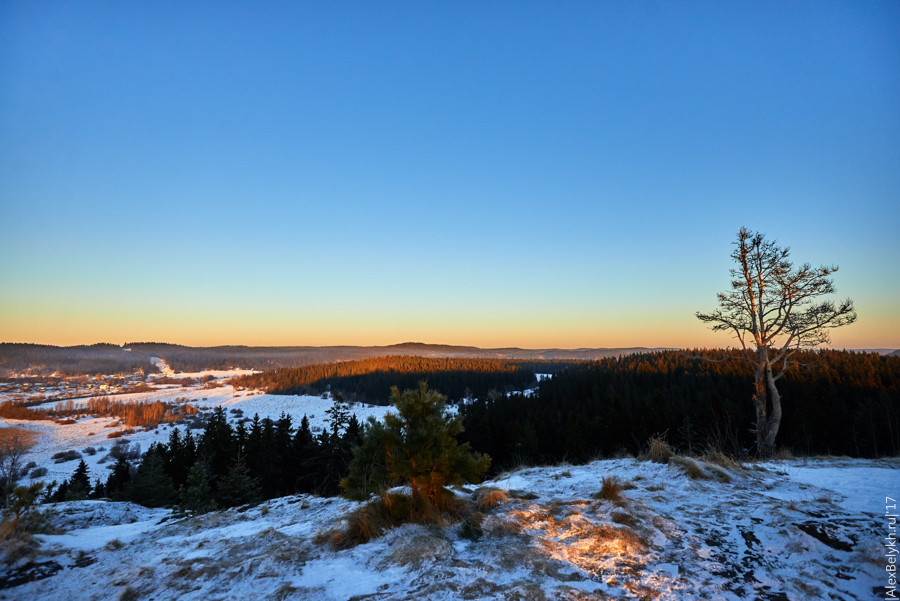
point(658, 450)
point(721, 475)
point(114, 545)
point(696, 472)
point(496, 526)
point(610, 490)
point(715, 457)
point(285, 591)
point(389, 511)
point(419, 547)
point(486, 498)
point(784, 454)
point(693, 471)
point(193, 569)
point(14, 548)
point(625, 519)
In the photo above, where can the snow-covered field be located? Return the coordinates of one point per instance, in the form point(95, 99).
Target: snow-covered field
point(782, 530)
point(92, 432)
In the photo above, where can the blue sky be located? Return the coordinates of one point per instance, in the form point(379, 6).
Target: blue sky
point(492, 173)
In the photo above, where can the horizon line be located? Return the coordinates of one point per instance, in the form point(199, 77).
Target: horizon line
point(413, 343)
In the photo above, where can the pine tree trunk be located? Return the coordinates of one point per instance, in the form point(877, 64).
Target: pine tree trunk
point(759, 400)
point(775, 417)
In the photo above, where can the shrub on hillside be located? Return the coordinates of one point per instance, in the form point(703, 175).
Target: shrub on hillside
point(63, 456)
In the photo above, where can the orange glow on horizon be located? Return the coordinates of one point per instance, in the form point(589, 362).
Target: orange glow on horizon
point(73, 324)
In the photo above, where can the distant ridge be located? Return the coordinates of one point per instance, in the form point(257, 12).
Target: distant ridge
point(447, 350)
point(39, 359)
point(42, 359)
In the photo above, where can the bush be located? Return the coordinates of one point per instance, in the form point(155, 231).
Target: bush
point(89, 451)
point(124, 449)
point(38, 472)
point(64, 456)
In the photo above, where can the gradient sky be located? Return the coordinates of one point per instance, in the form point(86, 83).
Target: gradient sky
point(535, 174)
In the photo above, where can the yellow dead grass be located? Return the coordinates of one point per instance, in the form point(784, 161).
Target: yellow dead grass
point(580, 541)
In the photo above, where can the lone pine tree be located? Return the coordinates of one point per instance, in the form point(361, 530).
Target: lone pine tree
point(773, 311)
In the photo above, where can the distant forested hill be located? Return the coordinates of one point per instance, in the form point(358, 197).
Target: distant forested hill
point(111, 359)
point(370, 380)
point(192, 359)
point(835, 402)
point(43, 360)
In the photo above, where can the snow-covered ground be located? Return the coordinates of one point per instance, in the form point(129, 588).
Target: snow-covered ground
point(166, 371)
point(782, 530)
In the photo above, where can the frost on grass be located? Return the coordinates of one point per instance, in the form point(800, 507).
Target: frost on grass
point(768, 533)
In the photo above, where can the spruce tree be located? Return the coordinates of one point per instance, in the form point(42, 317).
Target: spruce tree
point(151, 486)
point(368, 470)
point(267, 460)
point(338, 415)
point(99, 490)
point(238, 488)
point(304, 451)
point(178, 458)
point(217, 445)
point(79, 485)
point(195, 495)
point(58, 494)
point(118, 480)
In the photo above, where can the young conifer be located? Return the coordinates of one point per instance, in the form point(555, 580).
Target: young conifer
point(195, 495)
point(415, 446)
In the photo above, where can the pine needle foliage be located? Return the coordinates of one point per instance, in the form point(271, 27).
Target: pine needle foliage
point(196, 495)
point(414, 446)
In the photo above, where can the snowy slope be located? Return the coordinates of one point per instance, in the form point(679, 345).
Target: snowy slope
point(780, 530)
point(92, 432)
